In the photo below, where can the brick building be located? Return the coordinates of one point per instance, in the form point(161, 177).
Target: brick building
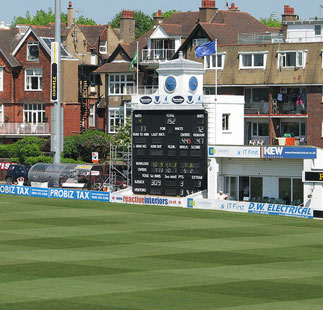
point(25, 107)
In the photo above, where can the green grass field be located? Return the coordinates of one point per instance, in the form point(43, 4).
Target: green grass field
point(59, 254)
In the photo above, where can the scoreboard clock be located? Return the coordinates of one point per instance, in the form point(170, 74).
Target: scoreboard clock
point(169, 152)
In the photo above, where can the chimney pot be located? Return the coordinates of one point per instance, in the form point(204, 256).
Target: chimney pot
point(70, 4)
point(208, 3)
point(127, 14)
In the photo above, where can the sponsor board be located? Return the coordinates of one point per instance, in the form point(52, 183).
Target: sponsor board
point(250, 207)
point(149, 200)
point(234, 151)
point(274, 209)
point(288, 152)
point(54, 193)
point(5, 166)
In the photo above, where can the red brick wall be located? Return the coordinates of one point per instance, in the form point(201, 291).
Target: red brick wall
point(5, 95)
point(43, 63)
point(72, 114)
point(315, 116)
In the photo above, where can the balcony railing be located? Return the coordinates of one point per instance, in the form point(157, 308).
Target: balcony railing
point(257, 108)
point(156, 55)
point(24, 129)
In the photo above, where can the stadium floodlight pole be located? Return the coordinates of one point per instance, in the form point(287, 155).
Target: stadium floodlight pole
point(57, 104)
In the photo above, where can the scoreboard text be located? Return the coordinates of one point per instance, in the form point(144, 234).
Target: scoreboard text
point(169, 152)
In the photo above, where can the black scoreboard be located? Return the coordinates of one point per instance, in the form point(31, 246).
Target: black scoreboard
point(169, 152)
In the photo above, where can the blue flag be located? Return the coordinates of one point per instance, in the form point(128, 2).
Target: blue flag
point(205, 49)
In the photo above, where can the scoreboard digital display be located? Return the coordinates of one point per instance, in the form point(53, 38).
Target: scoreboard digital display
point(169, 152)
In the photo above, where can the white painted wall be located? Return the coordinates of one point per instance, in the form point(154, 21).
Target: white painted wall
point(303, 33)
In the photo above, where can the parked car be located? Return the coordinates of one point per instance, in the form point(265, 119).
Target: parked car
point(16, 171)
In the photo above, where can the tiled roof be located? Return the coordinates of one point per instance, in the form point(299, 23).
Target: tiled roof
point(186, 20)
point(114, 67)
point(92, 33)
point(9, 39)
point(173, 30)
point(238, 22)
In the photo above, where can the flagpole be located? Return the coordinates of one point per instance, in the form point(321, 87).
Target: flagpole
point(216, 70)
point(137, 67)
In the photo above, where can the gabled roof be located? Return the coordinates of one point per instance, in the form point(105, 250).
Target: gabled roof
point(186, 20)
point(225, 27)
point(8, 41)
point(26, 35)
point(92, 33)
point(172, 30)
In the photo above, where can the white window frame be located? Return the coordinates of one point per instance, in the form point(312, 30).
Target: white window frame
point(115, 117)
point(103, 47)
point(127, 107)
point(252, 54)
point(210, 59)
point(282, 59)
point(116, 84)
point(36, 73)
point(1, 113)
point(1, 78)
point(30, 57)
point(92, 115)
point(226, 121)
point(34, 113)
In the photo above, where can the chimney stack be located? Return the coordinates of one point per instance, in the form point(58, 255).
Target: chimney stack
point(158, 18)
point(69, 14)
point(233, 7)
point(207, 11)
point(127, 26)
point(289, 15)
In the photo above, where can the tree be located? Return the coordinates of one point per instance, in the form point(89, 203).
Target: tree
point(81, 147)
point(44, 18)
point(143, 22)
point(123, 135)
point(271, 22)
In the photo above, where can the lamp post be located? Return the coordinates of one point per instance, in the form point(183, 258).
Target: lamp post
point(56, 125)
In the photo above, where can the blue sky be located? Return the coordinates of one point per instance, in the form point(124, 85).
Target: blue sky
point(102, 11)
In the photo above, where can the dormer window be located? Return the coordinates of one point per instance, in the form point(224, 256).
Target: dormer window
point(33, 51)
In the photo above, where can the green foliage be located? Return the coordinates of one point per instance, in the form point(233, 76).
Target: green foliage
point(38, 159)
point(123, 135)
point(24, 150)
point(143, 22)
point(81, 147)
point(270, 22)
point(44, 18)
point(85, 21)
point(71, 161)
point(166, 14)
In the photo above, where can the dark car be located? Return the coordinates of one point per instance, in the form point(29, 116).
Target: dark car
point(16, 171)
